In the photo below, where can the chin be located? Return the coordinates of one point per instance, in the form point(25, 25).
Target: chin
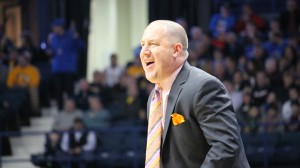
point(150, 79)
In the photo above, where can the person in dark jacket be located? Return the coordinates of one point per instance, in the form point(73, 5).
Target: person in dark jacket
point(79, 144)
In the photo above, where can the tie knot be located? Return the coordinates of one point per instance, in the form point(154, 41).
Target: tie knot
point(157, 93)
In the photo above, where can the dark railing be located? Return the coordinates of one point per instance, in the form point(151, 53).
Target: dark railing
point(117, 145)
point(126, 145)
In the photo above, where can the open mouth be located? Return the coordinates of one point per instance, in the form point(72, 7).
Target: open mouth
point(149, 63)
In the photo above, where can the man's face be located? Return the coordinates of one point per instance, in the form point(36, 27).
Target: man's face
point(22, 61)
point(78, 126)
point(58, 30)
point(69, 106)
point(157, 53)
point(113, 61)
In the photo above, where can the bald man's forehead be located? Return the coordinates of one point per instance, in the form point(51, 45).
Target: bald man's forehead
point(165, 28)
point(155, 31)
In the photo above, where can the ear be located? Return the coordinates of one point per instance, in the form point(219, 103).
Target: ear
point(177, 49)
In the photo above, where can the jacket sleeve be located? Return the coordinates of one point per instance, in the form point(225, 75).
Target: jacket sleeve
point(215, 115)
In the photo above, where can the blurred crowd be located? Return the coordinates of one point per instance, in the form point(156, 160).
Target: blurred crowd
point(257, 58)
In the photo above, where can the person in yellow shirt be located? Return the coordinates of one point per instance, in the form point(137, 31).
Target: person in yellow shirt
point(26, 76)
point(135, 69)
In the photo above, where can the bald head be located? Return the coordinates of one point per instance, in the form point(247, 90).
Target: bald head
point(164, 49)
point(175, 32)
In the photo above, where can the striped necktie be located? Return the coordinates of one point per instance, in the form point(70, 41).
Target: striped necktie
point(154, 132)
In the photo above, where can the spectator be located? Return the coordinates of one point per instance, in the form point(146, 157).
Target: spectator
point(49, 159)
point(293, 41)
point(205, 47)
point(251, 36)
point(231, 68)
point(196, 35)
point(271, 101)
point(135, 69)
point(82, 94)
point(131, 106)
point(293, 124)
point(27, 44)
point(288, 82)
point(119, 90)
point(79, 143)
point(257, 57)
point(233, 48)
point(272, 121)
point(261, 88)
point(248, 15)
point(52, 149)
point(64, 120)
point(273, 74)
point(26, 76)
point(113, 72)
point(252, 120)
point(96, 116)
point(99, 87)
point(290, 54)
point(239, 81)
point(236, 96)
point(274, 47)
point(290, 18)
point(283, 64)
point(52, 146)
point(65, 46)
point(219, 70)
point(274, 26)
point(287, 106)
point(219, 42)
point(221, 22)
point(199, 42)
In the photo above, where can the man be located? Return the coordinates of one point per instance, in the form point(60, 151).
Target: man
point(97, 116)
point(203, 131)
point(222, 22)
point(113, 71)
point(79, 144)
point(65, 46)
point(26, 76)
point(64, 120)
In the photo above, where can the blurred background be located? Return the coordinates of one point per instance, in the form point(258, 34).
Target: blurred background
point(73, 92)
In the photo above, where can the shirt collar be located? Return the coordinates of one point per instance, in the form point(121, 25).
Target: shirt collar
point(167, 83)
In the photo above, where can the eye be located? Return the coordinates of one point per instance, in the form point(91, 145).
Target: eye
point(154, 44)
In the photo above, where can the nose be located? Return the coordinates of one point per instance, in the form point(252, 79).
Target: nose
point(145, 51)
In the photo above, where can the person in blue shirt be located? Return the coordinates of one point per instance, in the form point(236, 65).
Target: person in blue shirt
point(64, 46)
point(221, 22)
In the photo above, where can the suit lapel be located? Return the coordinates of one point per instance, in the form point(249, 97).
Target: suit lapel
point(173, 96)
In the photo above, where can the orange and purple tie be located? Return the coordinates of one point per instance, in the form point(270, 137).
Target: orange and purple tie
point(154, 132)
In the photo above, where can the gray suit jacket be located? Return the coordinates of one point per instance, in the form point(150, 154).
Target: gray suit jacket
point(209, 137)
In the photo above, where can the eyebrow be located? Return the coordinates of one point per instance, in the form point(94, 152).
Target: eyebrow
point(151, 40)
